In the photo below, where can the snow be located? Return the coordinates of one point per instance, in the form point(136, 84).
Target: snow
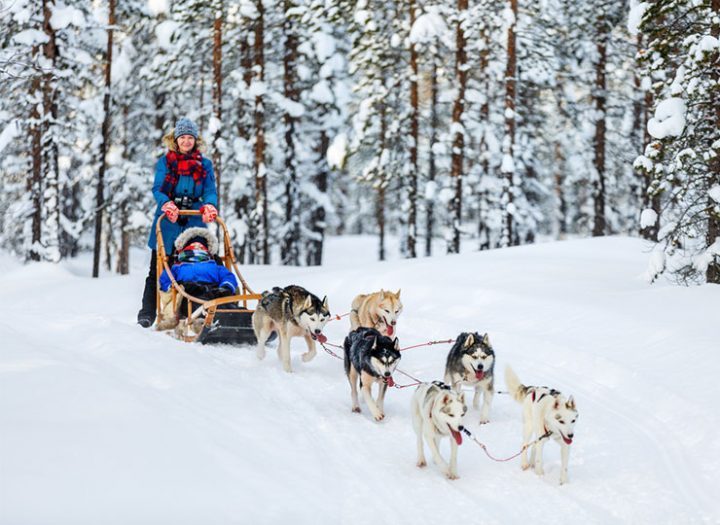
point(637, 10)
point(707, 44)
point(158, 7)
point(669, 119)
point(648, 218)
point(164, 32)
point(714, 192)
point(428, 27)
point(337, 151)
point(104, 422)
point(63, 16)
point(31, 37)
point(9, 132)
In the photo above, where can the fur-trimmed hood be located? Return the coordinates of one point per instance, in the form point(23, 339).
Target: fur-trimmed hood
point(188, 234)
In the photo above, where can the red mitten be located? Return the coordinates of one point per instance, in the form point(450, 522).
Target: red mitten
point(209, 212)
point(171, 211)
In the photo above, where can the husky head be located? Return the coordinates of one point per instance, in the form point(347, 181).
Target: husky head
point(477, 353)
point(313, 316)
point(562, 417)
point(384, 356)
point(388, 309)
point(452, 409)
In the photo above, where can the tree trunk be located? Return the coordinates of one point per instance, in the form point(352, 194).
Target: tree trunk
point(262, 250)
point(35, 184)
point(483, 230)
point(600, 95)
point(217, 99)
point(49, 147)
point(411, 240)
point(290, 246)
point(456, 162)
point(242, 203)
point(123, 257)
point(380, 204)
point(317, 218)
point(430, 203)
point(712, 274)
point(508, 165)
point(100, 191)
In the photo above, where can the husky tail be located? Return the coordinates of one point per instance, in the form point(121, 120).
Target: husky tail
point(514, 386)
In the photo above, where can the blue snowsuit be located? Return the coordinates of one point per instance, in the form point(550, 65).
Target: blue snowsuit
point(208, 272)
point(205, 192)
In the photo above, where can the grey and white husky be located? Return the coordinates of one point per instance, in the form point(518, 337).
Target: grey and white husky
point(471, 361)
point(370, 357)
point(438, 412)
point(291, 312)
point(546, 412)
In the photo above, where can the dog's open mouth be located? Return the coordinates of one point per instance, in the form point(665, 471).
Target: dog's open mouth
point(319, 337)
point(457, 436)
point(390, 329)
point(567, 440)
point(479, 374)
point(389, 381)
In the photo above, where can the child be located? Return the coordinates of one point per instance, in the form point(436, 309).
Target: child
point(197, 271)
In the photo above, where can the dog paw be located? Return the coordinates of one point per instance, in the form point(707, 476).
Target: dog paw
point(525, 466)
point(421, 463)
point(379, 416)
point(539, 471)
point(563, 479)
point(484, 420)
point(308, 356)
point(451, 475)
point(356, 410)
point(260, 354)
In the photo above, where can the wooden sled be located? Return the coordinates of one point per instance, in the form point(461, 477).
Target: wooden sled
point(226, 320)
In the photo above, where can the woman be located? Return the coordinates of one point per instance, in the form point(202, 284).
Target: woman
point(184, 179)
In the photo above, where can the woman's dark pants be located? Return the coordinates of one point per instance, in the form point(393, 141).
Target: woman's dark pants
point(146, 315)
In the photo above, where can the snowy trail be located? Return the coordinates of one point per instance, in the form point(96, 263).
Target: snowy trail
point(101, 419)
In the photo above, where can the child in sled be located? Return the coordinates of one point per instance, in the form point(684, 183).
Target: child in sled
point(196, 269)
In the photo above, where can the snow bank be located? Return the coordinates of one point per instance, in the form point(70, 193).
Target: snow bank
point(104, 422)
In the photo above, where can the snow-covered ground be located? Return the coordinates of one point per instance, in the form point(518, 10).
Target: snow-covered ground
point(102, 421)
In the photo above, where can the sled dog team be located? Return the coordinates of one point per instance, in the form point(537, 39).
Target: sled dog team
point(372, 354)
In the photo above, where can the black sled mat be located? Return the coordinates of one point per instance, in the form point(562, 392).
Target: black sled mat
point(230, 327)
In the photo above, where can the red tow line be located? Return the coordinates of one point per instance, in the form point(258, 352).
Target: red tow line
point(330, 352)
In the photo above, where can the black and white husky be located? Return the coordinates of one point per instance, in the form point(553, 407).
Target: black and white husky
point(546, 412)
point(291, 312)
point(471, 361)
point(437, 412)
point(370, 357)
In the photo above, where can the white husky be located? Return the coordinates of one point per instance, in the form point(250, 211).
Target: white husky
point(437, 412)
point(547, 413)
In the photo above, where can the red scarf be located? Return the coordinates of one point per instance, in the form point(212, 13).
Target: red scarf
point(179, 164)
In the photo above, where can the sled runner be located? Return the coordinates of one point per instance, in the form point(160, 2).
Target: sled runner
point(226, 320)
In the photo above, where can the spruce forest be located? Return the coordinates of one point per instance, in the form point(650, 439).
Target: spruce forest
point(438, 125)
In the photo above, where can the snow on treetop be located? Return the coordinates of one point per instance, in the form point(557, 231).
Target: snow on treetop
point(669, 119)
